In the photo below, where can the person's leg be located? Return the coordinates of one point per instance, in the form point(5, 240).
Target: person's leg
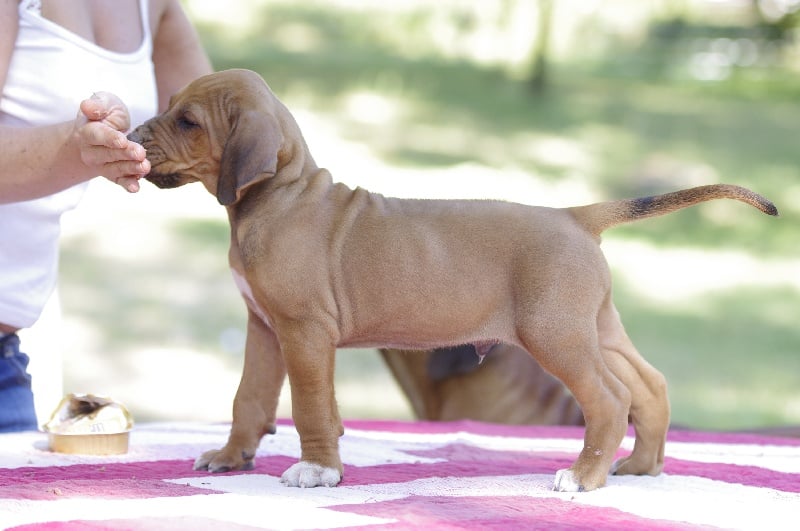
point(17, 412)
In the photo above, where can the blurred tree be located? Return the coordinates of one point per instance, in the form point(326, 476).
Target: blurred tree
point(540, 72)
point(778, 18)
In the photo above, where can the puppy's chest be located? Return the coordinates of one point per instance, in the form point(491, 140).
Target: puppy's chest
point(247, 293)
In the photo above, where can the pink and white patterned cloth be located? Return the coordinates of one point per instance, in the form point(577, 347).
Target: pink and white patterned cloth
point(399, 475)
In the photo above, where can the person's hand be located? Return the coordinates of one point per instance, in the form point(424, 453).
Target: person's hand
point(100, 129)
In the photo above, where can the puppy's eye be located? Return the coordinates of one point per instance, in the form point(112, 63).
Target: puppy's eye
point(186, 123)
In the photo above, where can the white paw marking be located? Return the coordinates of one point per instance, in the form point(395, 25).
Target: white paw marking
point(566, 482)
point(305, 474)
point(201, 463)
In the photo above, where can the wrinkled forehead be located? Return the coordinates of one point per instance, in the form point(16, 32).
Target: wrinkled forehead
point(198, 91)
point(227, 88)
point(234, 82)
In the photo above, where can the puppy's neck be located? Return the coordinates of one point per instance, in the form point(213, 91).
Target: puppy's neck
point(281, 190)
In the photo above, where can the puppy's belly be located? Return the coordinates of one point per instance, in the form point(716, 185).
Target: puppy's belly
point(425, 330)
point(407, 337)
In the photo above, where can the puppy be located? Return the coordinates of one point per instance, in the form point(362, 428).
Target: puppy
point(323, 266)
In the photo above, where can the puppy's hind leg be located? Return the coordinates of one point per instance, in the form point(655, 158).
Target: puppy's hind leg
point(255, 404)
point(649, 401)
point(573, 356)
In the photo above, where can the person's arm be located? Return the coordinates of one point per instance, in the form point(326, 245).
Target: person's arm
point(178, 55)
point(43, 160)
point(39, 161)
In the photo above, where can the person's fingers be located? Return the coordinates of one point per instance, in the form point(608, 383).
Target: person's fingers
point(126, 174)
point(108, 108)
point(94, 108)
point(118, 169)
point(100, 155)
point(100, 126)
point(131, 184)
point(100, 134)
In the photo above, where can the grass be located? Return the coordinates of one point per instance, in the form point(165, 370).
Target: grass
point(730, 355)
point(730, 358)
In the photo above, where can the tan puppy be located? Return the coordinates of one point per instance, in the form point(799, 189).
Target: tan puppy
point(449, 384)
point(323, 266)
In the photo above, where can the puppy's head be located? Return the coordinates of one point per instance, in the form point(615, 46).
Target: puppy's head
point(221, 129)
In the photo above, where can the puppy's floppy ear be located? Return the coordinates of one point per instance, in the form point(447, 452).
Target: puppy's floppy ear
point(250, 154)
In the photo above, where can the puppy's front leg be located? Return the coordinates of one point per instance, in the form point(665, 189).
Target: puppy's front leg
point(310, 358)
point(256, 401)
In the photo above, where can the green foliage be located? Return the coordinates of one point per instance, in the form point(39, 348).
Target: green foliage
point(181, 297)
point(643, 132)
point(646, 126)
point(730, 358)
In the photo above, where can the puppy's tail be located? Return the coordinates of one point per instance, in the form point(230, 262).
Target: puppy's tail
point(601, 216)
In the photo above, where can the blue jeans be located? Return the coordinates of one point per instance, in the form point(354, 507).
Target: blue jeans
point(16, 398)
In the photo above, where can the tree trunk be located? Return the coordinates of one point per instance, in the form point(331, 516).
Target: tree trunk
point(539, 78)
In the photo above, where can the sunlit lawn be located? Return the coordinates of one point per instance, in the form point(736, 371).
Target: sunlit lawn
point(731, 353)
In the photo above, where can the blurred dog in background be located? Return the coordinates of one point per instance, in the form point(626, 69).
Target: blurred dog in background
point(507, 387)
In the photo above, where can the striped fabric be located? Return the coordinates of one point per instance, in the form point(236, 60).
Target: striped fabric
point(398, 475)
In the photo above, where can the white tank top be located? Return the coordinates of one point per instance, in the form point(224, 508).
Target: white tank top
point(51, 71)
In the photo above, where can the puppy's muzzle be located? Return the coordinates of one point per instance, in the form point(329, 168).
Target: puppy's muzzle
point(134, 136)
point(168, 180)
point(164, 181)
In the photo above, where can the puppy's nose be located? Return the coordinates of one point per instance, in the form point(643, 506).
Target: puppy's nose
point(134, 136)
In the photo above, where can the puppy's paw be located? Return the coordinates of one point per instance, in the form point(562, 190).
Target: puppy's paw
point(621, 467)
point(636, 467)
point(567, 482)
point(225, 460)
point(305, 474)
